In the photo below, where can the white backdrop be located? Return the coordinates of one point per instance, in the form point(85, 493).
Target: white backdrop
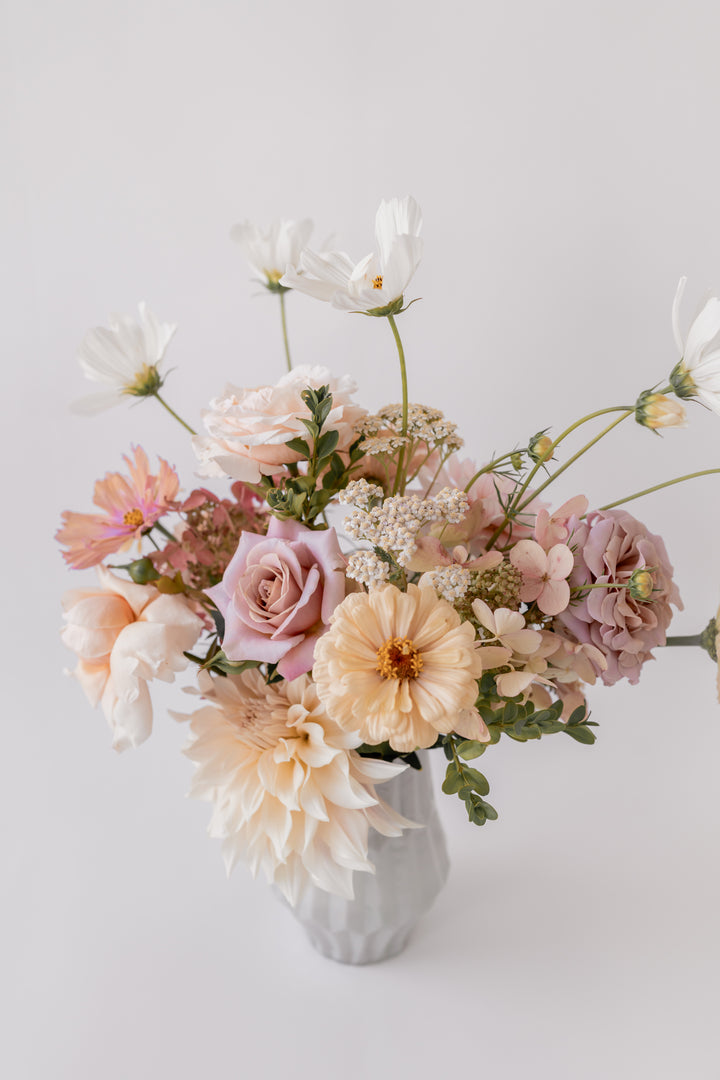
point(566, 158)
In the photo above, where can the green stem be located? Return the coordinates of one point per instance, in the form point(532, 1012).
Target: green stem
point(172, 412)
point(284, 330)
point(658, 487)
point(166, 532)
point(601, 435)
point(490, 467)
point(399, 482)
point(688, 639)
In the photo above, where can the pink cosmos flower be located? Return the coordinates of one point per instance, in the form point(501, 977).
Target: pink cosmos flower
point(544, 574)
point(611, 546)
point(125, 635)
point(278, 593)
point(130, 504)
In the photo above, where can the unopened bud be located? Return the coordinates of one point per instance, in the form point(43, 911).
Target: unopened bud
point(641, 585)
point(709, 639)
point(659, 411)
point(682, 381)
point(540, 447)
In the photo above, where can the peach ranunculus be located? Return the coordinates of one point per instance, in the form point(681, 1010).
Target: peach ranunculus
point(247, 429)
point(278, 593)
point(124, 635)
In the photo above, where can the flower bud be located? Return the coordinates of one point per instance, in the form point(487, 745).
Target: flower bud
point(682, 381)
point(641, 584)
point(539, 447)
point(659, 411)
point(142, 571)
point(709, 639)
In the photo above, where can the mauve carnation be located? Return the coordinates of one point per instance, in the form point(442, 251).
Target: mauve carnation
point(248, 429)
point(610, 545)
point(278, 593)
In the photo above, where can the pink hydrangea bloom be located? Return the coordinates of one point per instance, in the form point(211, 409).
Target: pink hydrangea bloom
point(544, 574)
point(278, 593)
point(553, 528)
point(611, 545)
point(131, 504)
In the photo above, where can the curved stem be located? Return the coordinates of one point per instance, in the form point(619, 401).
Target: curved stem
point(570, 461)
point(172, 412)
point(490, 467)
point(658, 487)
point(284, 330)
point(563, 435)
point(399, 482)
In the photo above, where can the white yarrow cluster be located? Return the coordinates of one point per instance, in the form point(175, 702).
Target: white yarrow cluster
point(449, 582)
point(367, 568)
point(360, 493)
point(394, 525)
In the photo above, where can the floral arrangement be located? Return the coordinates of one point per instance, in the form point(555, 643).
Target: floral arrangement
point(358, 591)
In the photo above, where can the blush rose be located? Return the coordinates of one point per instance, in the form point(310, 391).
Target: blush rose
point(278, 593)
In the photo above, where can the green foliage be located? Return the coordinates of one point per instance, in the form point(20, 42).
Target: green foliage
point(385, 752)
point(467, 783)
point(304, 496)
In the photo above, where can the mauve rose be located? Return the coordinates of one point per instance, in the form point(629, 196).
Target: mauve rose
point(278, 593)
point(610, 545)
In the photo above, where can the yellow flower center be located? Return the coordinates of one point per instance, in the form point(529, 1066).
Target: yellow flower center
point(377, 282)
point(398, 659)
point(133, 517)
point(274, 276)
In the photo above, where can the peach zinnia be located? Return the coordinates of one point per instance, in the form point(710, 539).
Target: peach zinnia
point(400, 667)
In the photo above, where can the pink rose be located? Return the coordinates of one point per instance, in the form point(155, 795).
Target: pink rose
point(611, 545)
point(248, 429)
point(278, 593)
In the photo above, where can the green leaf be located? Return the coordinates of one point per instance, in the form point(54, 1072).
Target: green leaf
point(581, 734)
point(477, 781)
point(311, 426)
point(577, 716)
point(453, 781)
point(469, 749)
point(298, 446)
point(326, 444)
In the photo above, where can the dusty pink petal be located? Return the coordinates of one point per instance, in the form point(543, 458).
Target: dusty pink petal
point(560, 562)
point(529, 558)
point(554, 598)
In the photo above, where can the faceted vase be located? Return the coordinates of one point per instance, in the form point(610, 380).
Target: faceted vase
point(410, 871)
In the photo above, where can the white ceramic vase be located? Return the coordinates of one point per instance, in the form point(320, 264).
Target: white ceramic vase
point(410, 871)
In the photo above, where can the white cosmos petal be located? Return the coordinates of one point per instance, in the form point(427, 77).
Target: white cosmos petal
point(676, 316)
point(396, 217)
point(704, 329)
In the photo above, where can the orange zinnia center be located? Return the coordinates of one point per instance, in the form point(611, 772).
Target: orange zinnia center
point(398, 659)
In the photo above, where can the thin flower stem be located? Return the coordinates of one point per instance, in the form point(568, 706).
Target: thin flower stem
point(490, 467)
point(166, 532)
point(561, 437)
point(515, 506)
point(399, 482)
point(658, 487)
point(284, 330)
point(601, 435)
point(687, 639)
point(172, 412)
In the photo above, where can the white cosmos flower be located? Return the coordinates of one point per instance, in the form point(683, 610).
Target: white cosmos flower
point(125, 357)
point(698, 373)
point(269, 251)
point(376, 284)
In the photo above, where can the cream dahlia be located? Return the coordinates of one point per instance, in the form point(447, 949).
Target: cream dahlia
point(290, 793)
point(400, 667)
